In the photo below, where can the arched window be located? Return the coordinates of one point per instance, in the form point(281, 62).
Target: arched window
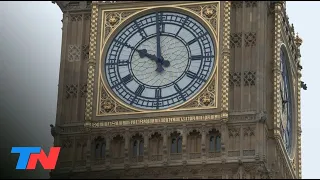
point(117, 147)
point(179, 145)
point(141, 147)
point(218, 143)
point(137, 146)
point(211, 144)
point(102, 150)
point(155, 145)
point(214, 141)
point(81, 150)
point(97, 151)
point(173, 145)
point(194, 142)
point(100, 146)
point(176, 143)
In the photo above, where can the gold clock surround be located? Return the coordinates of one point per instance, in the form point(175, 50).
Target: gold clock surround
point(115, 19)
point(211, 102)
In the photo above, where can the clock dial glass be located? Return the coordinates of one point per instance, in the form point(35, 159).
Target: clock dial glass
point(160, 60)
point(286, 119)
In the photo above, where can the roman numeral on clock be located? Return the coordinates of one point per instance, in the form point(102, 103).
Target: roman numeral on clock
point(119, 63)
point(200, 57)
point(162, 25)
point(141, 31)
point(126, 79)
point(139, 90)
point(191, 74)
point(184, 22)
point(196, 38)
point(196, 57)
point(158, 93)
point(178, 89)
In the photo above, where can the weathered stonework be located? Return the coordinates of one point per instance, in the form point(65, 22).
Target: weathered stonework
point(229, 130)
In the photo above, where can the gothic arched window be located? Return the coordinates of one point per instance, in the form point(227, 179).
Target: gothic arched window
point(137, 146)
point(117, 147)
point(176, 143)
point(97, 151)
point(211, 144)
point(100, 146)
point(194, 142)
point(141, 147)
point(155, 144)
point(214, 141)
point(218, 143)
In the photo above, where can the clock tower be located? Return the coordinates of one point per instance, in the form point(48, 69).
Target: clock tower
point(178, 89)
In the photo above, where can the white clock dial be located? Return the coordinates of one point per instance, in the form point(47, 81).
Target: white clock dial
point(172, 50)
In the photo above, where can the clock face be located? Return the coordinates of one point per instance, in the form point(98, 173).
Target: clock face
point(160, 60)
point(285, 90)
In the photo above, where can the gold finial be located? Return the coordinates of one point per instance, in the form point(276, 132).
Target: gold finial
point(298, 40)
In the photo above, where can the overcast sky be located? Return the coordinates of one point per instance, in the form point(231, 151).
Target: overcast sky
point(30, 45)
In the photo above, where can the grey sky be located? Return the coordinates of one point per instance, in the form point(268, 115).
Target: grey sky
point(27, 27)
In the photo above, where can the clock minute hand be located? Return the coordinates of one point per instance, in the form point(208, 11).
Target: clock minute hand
point(158, 36)
point(160, 58)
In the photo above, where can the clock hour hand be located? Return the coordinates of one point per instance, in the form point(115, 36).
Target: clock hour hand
point(144, 53)
point(160, 61)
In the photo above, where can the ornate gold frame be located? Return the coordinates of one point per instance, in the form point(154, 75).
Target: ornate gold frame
point(280, 41)
point(112, 20)
point(207, 15)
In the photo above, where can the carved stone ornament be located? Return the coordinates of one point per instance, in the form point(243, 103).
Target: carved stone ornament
point(111, 20)
point(108, 105)
point(206, 98)
point(209, 12)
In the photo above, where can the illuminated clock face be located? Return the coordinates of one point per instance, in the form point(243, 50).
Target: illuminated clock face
point(286, 119)
point(160, 60)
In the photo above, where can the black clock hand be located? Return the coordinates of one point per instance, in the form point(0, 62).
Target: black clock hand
point(143, 53)
point(160, 58)
point(158, 36)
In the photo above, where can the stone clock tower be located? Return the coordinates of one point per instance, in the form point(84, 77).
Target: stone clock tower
point(178, 89)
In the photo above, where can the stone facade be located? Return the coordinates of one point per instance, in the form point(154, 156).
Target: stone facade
point(230, 130)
